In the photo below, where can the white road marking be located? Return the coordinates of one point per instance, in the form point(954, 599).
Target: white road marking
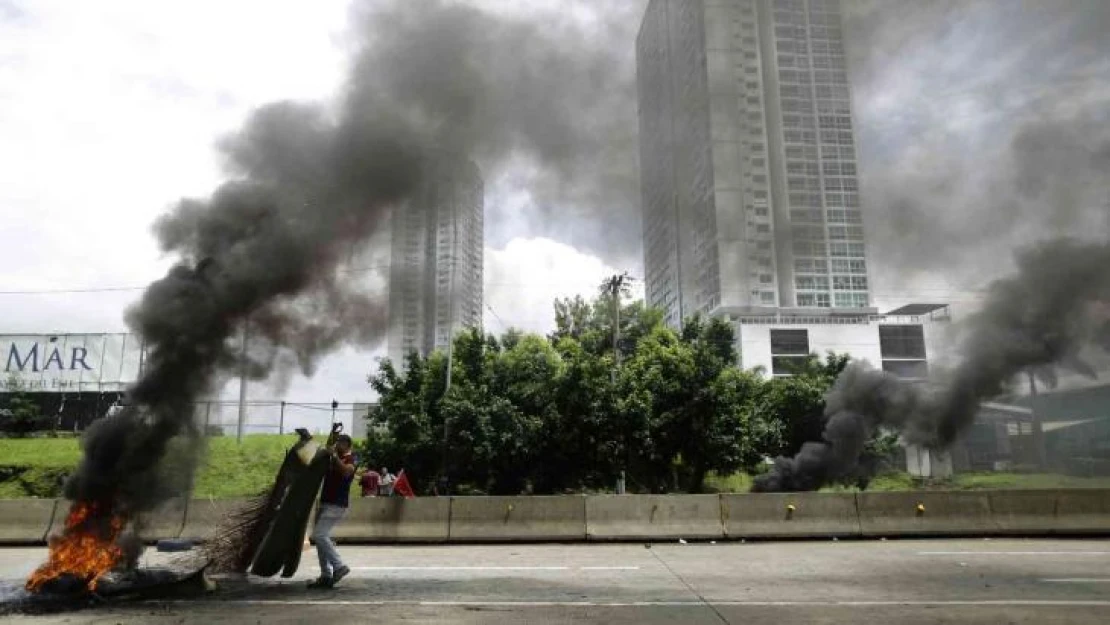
point(460, 568)
point(1013, 553)
point(494, 568)
point(637, 604)
point(1078, 580)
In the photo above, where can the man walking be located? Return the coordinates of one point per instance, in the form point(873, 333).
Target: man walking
point(334, 500)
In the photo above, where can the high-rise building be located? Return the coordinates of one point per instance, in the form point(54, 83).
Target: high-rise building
point(748, 160)
point(435, 285)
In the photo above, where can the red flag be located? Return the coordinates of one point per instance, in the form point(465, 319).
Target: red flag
point(402, 487)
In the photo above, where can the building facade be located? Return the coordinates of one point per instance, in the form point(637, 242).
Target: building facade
point(748, 160)
point(903, 342)
point(435, 285)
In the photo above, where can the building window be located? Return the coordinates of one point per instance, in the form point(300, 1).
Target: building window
point(789, 351)
point(851, 300)
point(810, 265)
point(902, 341)
point(812, 283)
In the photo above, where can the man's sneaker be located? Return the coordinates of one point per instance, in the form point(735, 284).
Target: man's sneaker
point(322, 582)
point(339, 574)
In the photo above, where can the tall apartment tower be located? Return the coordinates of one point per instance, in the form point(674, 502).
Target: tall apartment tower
point(435, 285)
point(748, 160)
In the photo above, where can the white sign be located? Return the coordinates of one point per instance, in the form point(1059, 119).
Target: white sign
point(70, 363)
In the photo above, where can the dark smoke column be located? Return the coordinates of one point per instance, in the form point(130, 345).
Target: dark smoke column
point(265, 246)
point(310, 183)
point(1039, 319)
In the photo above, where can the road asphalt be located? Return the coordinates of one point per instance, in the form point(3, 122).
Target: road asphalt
point(904, 582)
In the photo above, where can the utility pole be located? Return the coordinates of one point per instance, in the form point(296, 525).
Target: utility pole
point(242, 387)
point(616, 287)
point(1038, 429)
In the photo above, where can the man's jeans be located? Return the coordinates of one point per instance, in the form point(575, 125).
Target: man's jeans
point(326, 519)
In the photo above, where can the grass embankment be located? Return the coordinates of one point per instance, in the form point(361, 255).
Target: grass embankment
point(35, 468)
point(742, 482)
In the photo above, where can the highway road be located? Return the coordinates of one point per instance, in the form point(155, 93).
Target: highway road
point(905, 582)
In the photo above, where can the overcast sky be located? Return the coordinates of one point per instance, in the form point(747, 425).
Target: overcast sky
point(110, 110)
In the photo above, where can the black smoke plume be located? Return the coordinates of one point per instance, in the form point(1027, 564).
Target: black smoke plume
point(265, 246)
point(544, 93)
point(308, 184)
point(1038, 320)
point(982, 127)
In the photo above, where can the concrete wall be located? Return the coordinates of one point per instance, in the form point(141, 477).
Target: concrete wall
point(204, 517)
point(636, 517)
point(925, 514)
point(790, 515)
point(392, 519)
point(644, 517)
point(26, 521)
point(517, 518)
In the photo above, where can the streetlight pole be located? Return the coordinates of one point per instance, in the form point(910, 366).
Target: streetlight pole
point(242, 387)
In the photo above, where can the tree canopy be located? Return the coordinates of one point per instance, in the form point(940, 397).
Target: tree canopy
point(576, 410)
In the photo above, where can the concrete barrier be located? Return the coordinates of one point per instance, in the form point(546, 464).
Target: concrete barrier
point(204, 517)
point(663, 517)
point(393, 519)
point(517, 518)
point(1023, 511)
point(925, 514)
point(58, 519)
point(1083, 512)
point(25, 521)
point(165, 522)
point(790, 515)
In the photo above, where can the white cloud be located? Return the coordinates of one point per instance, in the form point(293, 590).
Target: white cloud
point(109, 112)
point(523, 279)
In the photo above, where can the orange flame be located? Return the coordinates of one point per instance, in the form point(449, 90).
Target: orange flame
point(86, 550)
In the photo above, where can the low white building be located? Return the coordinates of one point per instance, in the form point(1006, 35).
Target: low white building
point(903, 341)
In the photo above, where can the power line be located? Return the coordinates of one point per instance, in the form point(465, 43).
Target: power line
point(122, 289)
point(496, 316)
point(104, 289)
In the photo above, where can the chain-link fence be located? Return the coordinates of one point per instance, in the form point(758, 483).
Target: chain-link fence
point(221, 418)
point(73, 413)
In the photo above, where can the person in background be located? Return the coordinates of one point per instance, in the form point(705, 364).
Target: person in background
point(370, 482)
point(387, 479)
point(334, 499)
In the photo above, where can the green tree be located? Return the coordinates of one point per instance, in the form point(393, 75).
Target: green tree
point(526, 413)
point(687, 407)
point(583, 444)
point(406, 426)
point(797, 402)
point(21, 413)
